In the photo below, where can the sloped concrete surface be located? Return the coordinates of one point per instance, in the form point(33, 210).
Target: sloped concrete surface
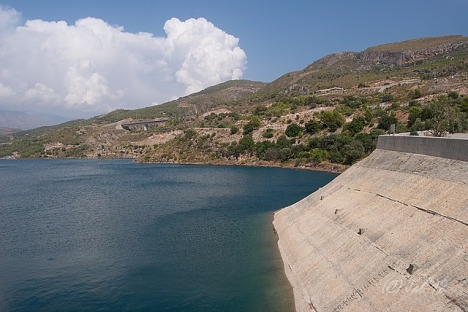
point(389, 234)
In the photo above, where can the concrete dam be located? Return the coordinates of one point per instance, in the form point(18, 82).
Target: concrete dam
point(388, 234)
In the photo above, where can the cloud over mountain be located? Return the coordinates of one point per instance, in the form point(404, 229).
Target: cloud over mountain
point(92, 67)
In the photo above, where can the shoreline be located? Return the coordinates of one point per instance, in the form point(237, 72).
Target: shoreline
point(324, 167)
point(287, 296)
point(288, 273)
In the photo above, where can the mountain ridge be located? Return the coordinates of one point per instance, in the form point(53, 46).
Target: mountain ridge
point(380, 57)
point(27, 119)
point(346, 97)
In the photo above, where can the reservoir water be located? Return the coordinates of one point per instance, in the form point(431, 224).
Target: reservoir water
point(114, 235)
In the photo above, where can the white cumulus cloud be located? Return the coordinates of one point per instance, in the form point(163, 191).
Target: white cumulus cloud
point(92, 67)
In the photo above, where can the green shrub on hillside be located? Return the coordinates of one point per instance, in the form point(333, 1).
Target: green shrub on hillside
point(385, 120)
point(293, 130)
point(234, 130)
point(268, 133)
point(353, 102)
point(333, 120)
point(356, 125)
point(442, 116)
point(253, 124)
point(313, 126)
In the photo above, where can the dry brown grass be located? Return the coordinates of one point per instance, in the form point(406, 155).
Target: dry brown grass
point(418, 44)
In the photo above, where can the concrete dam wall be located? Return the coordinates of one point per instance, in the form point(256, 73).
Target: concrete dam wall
point(388, 234)
point(439, 147)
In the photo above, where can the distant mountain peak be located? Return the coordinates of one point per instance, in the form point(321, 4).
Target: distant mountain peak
point(27, 119)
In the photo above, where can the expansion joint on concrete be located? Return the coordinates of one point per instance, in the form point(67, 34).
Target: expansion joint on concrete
point(312, 307)
point(432, 212)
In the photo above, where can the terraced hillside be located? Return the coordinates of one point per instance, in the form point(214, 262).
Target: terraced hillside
point(327, 115)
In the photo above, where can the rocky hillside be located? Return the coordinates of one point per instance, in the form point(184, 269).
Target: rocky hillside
point(410, 58)
point(327, 115)
point(397, 54)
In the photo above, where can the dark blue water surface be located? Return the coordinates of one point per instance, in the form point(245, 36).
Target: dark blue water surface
point(114, 235)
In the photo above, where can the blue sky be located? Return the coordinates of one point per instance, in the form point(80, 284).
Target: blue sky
point(276, 36)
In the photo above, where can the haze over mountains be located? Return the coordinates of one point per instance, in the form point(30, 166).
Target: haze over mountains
point(27, 119)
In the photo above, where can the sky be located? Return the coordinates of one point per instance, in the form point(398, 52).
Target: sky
point(79, 59)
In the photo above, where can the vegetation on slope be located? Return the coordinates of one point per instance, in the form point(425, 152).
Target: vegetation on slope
point(328, 115)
